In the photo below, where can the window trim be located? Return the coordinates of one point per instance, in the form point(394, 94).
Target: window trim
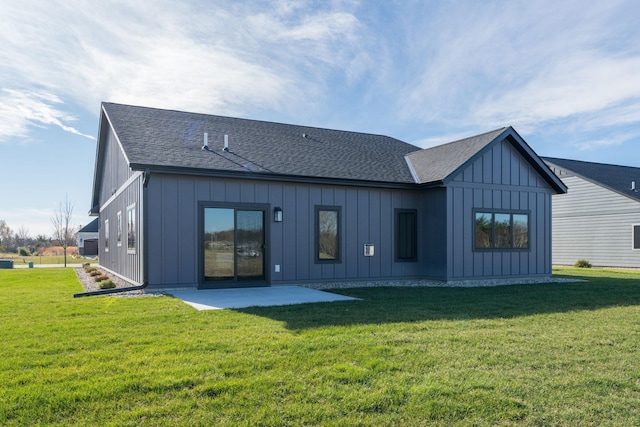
point(493, 212)
point(338, 258)
point(396, 235)
point(131, 211)
point(633, 236)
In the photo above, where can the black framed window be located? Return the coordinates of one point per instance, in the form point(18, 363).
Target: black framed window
point(327, 226)
point(406, 235)
point(501, 230)
point(636, 236)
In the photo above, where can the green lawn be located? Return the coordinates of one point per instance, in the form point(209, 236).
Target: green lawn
point(552, 354)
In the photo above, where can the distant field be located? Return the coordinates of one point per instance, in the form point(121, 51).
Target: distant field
point(45, 259)
point(561, 354)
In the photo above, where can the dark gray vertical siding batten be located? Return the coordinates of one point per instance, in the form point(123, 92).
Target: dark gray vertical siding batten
point(119, 190)
point(502, 180)
point(116, 171)
point(366, 215)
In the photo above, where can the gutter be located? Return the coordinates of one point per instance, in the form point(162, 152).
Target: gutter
point(110, 291)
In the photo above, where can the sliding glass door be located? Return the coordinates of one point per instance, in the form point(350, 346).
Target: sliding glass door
point(233, 245)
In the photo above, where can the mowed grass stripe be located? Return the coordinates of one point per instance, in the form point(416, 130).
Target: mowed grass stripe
point(551, 354)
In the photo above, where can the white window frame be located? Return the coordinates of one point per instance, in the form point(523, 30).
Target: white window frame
point(106, 235)
point(119, 229)
point(130, 208)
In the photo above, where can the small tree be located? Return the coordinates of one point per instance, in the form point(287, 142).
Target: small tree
point(62, 229)
point(22, 236)
point(6, 236)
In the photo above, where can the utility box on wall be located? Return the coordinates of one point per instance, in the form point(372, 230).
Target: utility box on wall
point(368, 249)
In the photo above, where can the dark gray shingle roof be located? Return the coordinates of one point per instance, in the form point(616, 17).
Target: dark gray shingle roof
point(153, 137)
point(434, 164)
point(172, 141)
point(92, 227)
point(614, 177)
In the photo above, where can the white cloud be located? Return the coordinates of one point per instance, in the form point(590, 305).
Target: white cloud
point(223, 57)
point(22, 109)
point(579, 84)
point(519, 63)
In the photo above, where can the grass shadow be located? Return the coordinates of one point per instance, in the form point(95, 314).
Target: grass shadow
point(411, 304)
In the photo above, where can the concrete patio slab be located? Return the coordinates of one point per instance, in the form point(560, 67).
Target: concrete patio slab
point(217, 299)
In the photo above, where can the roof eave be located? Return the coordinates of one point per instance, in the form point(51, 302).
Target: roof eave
point(523, 148)
point(262, 176)
point(593, 181)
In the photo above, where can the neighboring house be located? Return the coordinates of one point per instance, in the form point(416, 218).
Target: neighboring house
point(598, 219)
point(194, 200)
point(87, 239)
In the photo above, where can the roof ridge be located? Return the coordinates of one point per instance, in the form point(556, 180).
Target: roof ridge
point(464, 139)
point(171, 110)
point(551, 159)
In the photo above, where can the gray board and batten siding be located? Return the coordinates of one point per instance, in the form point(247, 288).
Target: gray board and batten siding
point(367, 216)
point(121, 188)
point(446, 225)
point(594, 220)
point(499, 180)
point(154, 160)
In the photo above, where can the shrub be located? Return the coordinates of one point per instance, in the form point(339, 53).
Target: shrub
point(23, 252)
point(101, 278)
point(582, 263)
point(107, 284)
point(95, 272)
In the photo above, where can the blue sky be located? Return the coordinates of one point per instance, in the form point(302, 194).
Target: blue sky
point(565, 74)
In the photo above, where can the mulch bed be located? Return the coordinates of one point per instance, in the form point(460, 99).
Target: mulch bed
point(91, 285)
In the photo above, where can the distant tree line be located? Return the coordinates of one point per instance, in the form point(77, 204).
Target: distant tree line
point(13, 241)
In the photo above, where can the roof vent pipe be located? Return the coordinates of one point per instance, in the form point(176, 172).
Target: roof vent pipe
point(633, 186)
point(205, 143)
point(226, 142)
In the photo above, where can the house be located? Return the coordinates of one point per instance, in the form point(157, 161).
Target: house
point(598, 219)
point(87, 239)
point(192, 200)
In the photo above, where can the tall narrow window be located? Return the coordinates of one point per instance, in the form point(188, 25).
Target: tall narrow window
point(327, 234)
point(520, 231)
point(502, 227)
point(106, 235)
point(131, 228)
point(501, 230)
point(119, 229)
point(484, 230)
point(636, 237)
point(406, 235)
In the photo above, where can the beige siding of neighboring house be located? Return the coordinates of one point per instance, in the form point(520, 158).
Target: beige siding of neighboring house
point(594, 223)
